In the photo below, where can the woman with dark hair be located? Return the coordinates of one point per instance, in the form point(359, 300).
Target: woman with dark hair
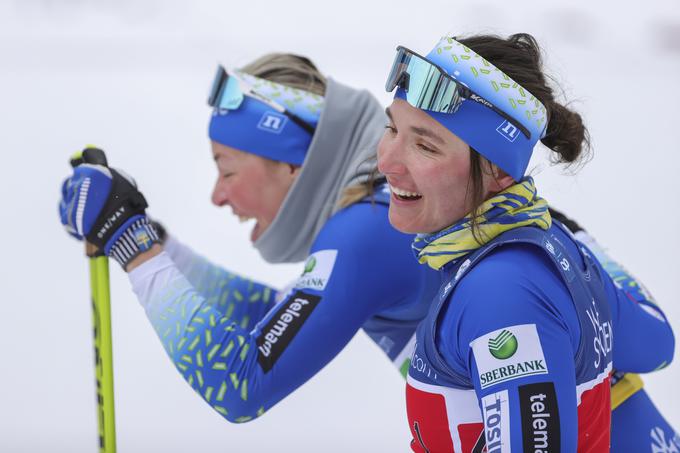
point(517, 348)
point(293, 151)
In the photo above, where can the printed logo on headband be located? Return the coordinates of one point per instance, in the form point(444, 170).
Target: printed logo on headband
point(272, 122)
point(508, 130)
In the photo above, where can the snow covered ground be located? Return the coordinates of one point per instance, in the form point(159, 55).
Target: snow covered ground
point(132, 77)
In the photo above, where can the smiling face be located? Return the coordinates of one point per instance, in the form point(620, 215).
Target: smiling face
point(253, 186)
point(428, 170)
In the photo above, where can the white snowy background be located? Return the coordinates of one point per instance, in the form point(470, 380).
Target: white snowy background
point(132, 76)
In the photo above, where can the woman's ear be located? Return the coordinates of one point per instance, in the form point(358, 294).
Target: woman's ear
point(502, 182)
point(498, 180)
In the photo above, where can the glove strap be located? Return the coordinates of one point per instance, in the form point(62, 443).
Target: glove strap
point(137, 237)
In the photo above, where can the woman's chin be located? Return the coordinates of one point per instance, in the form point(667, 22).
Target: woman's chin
point(409, 224)
point(401, 222)
point(257, 231)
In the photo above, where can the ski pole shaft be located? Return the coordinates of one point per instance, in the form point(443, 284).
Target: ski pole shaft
point(101, 322)
point(103, 350)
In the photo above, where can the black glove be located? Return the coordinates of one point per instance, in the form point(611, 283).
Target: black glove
point(104, 206)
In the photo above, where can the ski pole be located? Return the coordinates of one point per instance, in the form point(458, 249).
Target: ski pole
point(101, 321)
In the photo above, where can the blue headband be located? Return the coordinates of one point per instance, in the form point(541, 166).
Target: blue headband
point(254, 127)
point(480, 127)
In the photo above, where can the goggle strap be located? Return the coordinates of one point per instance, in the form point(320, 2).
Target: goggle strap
point(220, 82)
point(467, 93)
point(300, 122)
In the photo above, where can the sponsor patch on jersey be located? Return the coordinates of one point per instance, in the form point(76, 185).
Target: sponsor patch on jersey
point(283, 326)
point(540, 418)
point(318, 268)
point(602, 335)
point(496, 413)
point(507, 354)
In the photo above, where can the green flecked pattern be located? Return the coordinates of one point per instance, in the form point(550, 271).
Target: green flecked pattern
point(204, 334)
point(225, 291)
point(304, 104)
point(496, 86)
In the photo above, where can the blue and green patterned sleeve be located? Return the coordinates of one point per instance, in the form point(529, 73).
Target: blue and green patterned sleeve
point(636, 315)
point(243, 372)
point(205, 344)
point(223, 290)
point(637, 423)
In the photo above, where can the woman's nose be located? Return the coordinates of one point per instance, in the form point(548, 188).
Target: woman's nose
point(389, 161)
point(219, 194)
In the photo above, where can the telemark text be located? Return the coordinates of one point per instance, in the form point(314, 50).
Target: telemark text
point(278, 329)
point(539, 423)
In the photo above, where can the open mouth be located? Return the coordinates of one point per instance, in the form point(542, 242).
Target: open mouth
point(256, 230)
point(405, 195)
point(255, 233)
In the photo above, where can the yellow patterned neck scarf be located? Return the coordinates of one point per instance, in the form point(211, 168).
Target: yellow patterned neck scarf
point(515, 207)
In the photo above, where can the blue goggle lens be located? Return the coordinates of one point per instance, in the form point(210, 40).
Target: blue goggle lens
point(226, 92)
point(425, 85)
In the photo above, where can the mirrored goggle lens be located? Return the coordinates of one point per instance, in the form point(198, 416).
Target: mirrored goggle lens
point(218, 82)
point(226, 92)
point(425, 85)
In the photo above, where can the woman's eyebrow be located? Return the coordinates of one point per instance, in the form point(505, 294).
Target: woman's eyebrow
point(427, 133)
point(419, 130)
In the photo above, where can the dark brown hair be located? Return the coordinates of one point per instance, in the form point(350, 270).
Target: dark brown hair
point(519, 56)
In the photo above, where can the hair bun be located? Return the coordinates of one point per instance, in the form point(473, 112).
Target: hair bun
point(566, 134)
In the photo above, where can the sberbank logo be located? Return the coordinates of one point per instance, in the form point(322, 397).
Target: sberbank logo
point(309, 265)
point(503, 346)
point(500, 359)
point(317, 270)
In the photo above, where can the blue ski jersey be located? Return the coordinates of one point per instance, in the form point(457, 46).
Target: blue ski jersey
point(243, 349)
point(517, 349)
point(207, 317)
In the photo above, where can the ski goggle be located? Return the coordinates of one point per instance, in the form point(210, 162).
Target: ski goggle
point(228, 91)
point(429, 87)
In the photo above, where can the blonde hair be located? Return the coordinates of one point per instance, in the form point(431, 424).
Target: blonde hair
point(299, 72)
point(359, 191)
point(288, 69)
point(354, 193)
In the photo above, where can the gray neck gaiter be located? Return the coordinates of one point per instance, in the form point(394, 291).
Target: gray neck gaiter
point(346, 137)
